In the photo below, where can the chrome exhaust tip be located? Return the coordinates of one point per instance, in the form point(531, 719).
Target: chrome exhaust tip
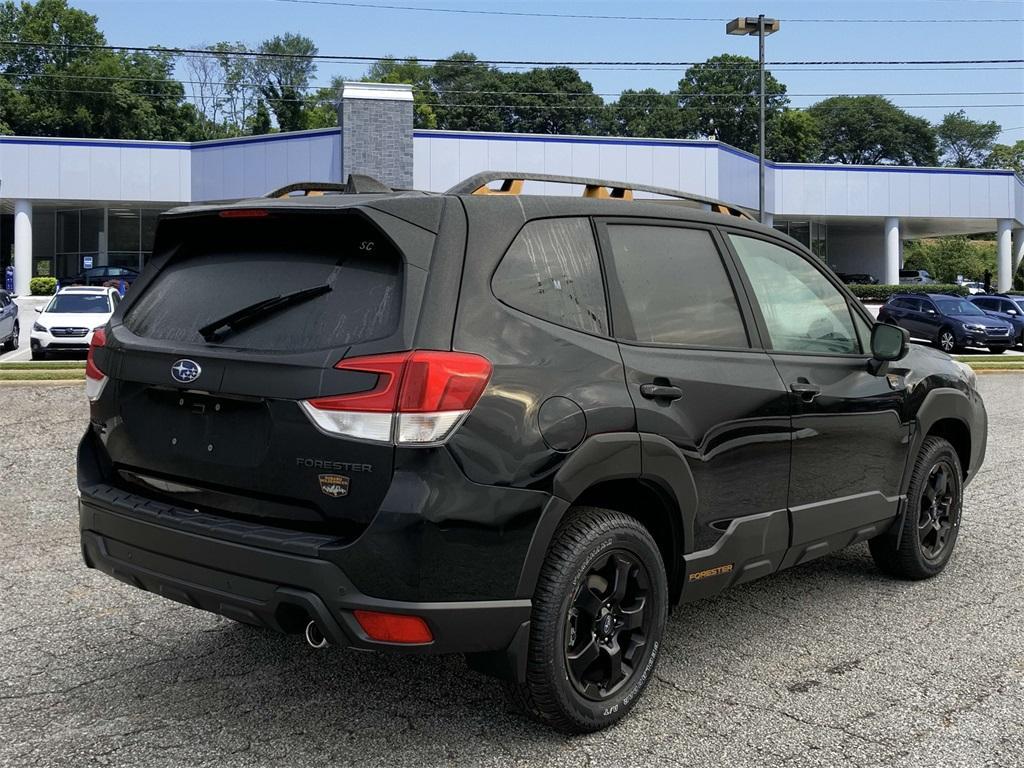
point(314, 636)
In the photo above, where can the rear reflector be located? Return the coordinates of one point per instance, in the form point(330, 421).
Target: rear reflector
point(95, 379)
point(420, 397)
point(394, 627)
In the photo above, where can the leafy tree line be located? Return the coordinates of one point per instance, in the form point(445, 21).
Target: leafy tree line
point(232, 89)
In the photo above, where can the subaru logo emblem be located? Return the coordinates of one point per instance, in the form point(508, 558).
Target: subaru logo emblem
point(186, 371)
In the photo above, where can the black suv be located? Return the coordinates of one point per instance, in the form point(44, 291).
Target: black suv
point(519, 428)
point(949, 322)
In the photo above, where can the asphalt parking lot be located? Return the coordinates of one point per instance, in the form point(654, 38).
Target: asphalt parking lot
point(827, 664)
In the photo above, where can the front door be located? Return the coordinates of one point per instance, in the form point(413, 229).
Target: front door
point(695, 370)
point(850, 439)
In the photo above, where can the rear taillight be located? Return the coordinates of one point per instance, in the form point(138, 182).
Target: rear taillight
point(95, 378)
point(420, 397)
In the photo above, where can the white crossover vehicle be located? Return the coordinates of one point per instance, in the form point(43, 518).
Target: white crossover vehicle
point(68, 321)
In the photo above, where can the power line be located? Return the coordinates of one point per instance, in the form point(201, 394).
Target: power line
point(479, 105)
point(476, 62)
point(602, 17)
point(575, 94)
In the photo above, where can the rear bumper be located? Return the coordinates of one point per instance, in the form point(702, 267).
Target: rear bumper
point(281, 585)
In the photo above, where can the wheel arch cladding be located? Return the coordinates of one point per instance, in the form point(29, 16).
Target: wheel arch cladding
point(644, 476)
point(948, 413)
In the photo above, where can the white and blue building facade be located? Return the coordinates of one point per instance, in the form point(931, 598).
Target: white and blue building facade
point(67, 203)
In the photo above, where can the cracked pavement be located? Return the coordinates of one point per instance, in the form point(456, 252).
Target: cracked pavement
point(827, 664)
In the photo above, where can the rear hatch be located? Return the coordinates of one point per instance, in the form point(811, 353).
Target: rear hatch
point(207, 414)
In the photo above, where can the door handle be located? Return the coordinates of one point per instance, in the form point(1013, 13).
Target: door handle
point(805, 389)
point(660, 392)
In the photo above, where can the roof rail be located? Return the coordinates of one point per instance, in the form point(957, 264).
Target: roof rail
point(512, 184)
point(357, 184)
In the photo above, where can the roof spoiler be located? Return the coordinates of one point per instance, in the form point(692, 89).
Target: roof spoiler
point(512, 184)
point(357, 184)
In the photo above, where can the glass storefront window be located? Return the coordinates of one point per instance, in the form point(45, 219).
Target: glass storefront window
point(123, 226)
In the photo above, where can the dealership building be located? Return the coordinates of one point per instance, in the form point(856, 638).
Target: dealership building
point(69, 203)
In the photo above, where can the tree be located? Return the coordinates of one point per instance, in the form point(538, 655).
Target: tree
point(470, 96)
point(871, 130)
point(284, 69)
point(794, 136)
point(240, 73)
point(649, 113)
point(720, 100)
point(63, 89)
point(1007, 156)
point(410, 72)
point(965, 143)
point(553, 100)
point(259, 123)
point(947, 258)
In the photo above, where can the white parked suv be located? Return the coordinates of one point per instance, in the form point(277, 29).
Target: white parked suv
point(67, 322)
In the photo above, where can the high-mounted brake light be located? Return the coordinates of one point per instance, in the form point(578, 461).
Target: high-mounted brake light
point(419, 398)
point(95, 378)
point(244, 213)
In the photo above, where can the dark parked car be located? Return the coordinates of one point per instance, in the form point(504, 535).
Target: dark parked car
point(949, 322)
point(857, 278)
point(1009, 309)
point(522, 429)
point(104, 275)
point(9, 327)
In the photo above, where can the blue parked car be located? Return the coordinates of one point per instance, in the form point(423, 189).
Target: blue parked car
point(949, 322)
point(1009, 309)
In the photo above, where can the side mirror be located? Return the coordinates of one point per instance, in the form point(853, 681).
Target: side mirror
point(1012, 312)
point(888, 343)
point(39, 310)
point(930, 311)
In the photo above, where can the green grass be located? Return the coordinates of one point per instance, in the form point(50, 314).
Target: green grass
point(43, 365)
point(989, 358)
point(37, 375)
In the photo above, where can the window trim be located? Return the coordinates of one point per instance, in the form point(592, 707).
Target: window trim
point(617, 302)
point(601, 273)
point(852, 303)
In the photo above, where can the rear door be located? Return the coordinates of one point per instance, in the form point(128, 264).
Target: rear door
point(217, 421)
point(694, 367)
point(849, 446)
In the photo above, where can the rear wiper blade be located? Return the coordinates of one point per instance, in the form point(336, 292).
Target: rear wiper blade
point(253, 313)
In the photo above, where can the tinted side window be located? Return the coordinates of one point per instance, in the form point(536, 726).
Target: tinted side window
point(804, 312)
point(551, 271)
point(674, 287)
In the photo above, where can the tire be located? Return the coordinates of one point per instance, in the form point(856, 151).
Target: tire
point(38, 354)
point(996, 350)
point(12, 343)
point(946, 341)
point(571, 601)
point(923, 552)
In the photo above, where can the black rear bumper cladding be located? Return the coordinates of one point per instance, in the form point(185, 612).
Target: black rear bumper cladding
point(280, 590)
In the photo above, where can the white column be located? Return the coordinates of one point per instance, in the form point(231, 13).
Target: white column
point(769, 219)
point(1017, 249)
point(892, 251)
point(1003, 261)
point(22, 246)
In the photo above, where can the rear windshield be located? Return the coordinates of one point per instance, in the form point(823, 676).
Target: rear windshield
point(224, 265)
point(83, 303)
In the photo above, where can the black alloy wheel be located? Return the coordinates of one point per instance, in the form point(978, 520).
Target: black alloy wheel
point(921, 541)
point(936, 513)
point(606, 623)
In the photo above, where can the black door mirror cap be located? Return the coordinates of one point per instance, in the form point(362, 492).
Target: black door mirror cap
point(888, 344)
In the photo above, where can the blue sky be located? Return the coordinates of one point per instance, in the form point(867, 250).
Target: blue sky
point(363, 31)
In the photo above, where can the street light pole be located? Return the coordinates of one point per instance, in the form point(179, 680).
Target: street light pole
point(762, 27)
point(760, 140)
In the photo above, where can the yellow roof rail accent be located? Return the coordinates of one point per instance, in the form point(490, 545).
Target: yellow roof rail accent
point(508, 187)
point(601, 189)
